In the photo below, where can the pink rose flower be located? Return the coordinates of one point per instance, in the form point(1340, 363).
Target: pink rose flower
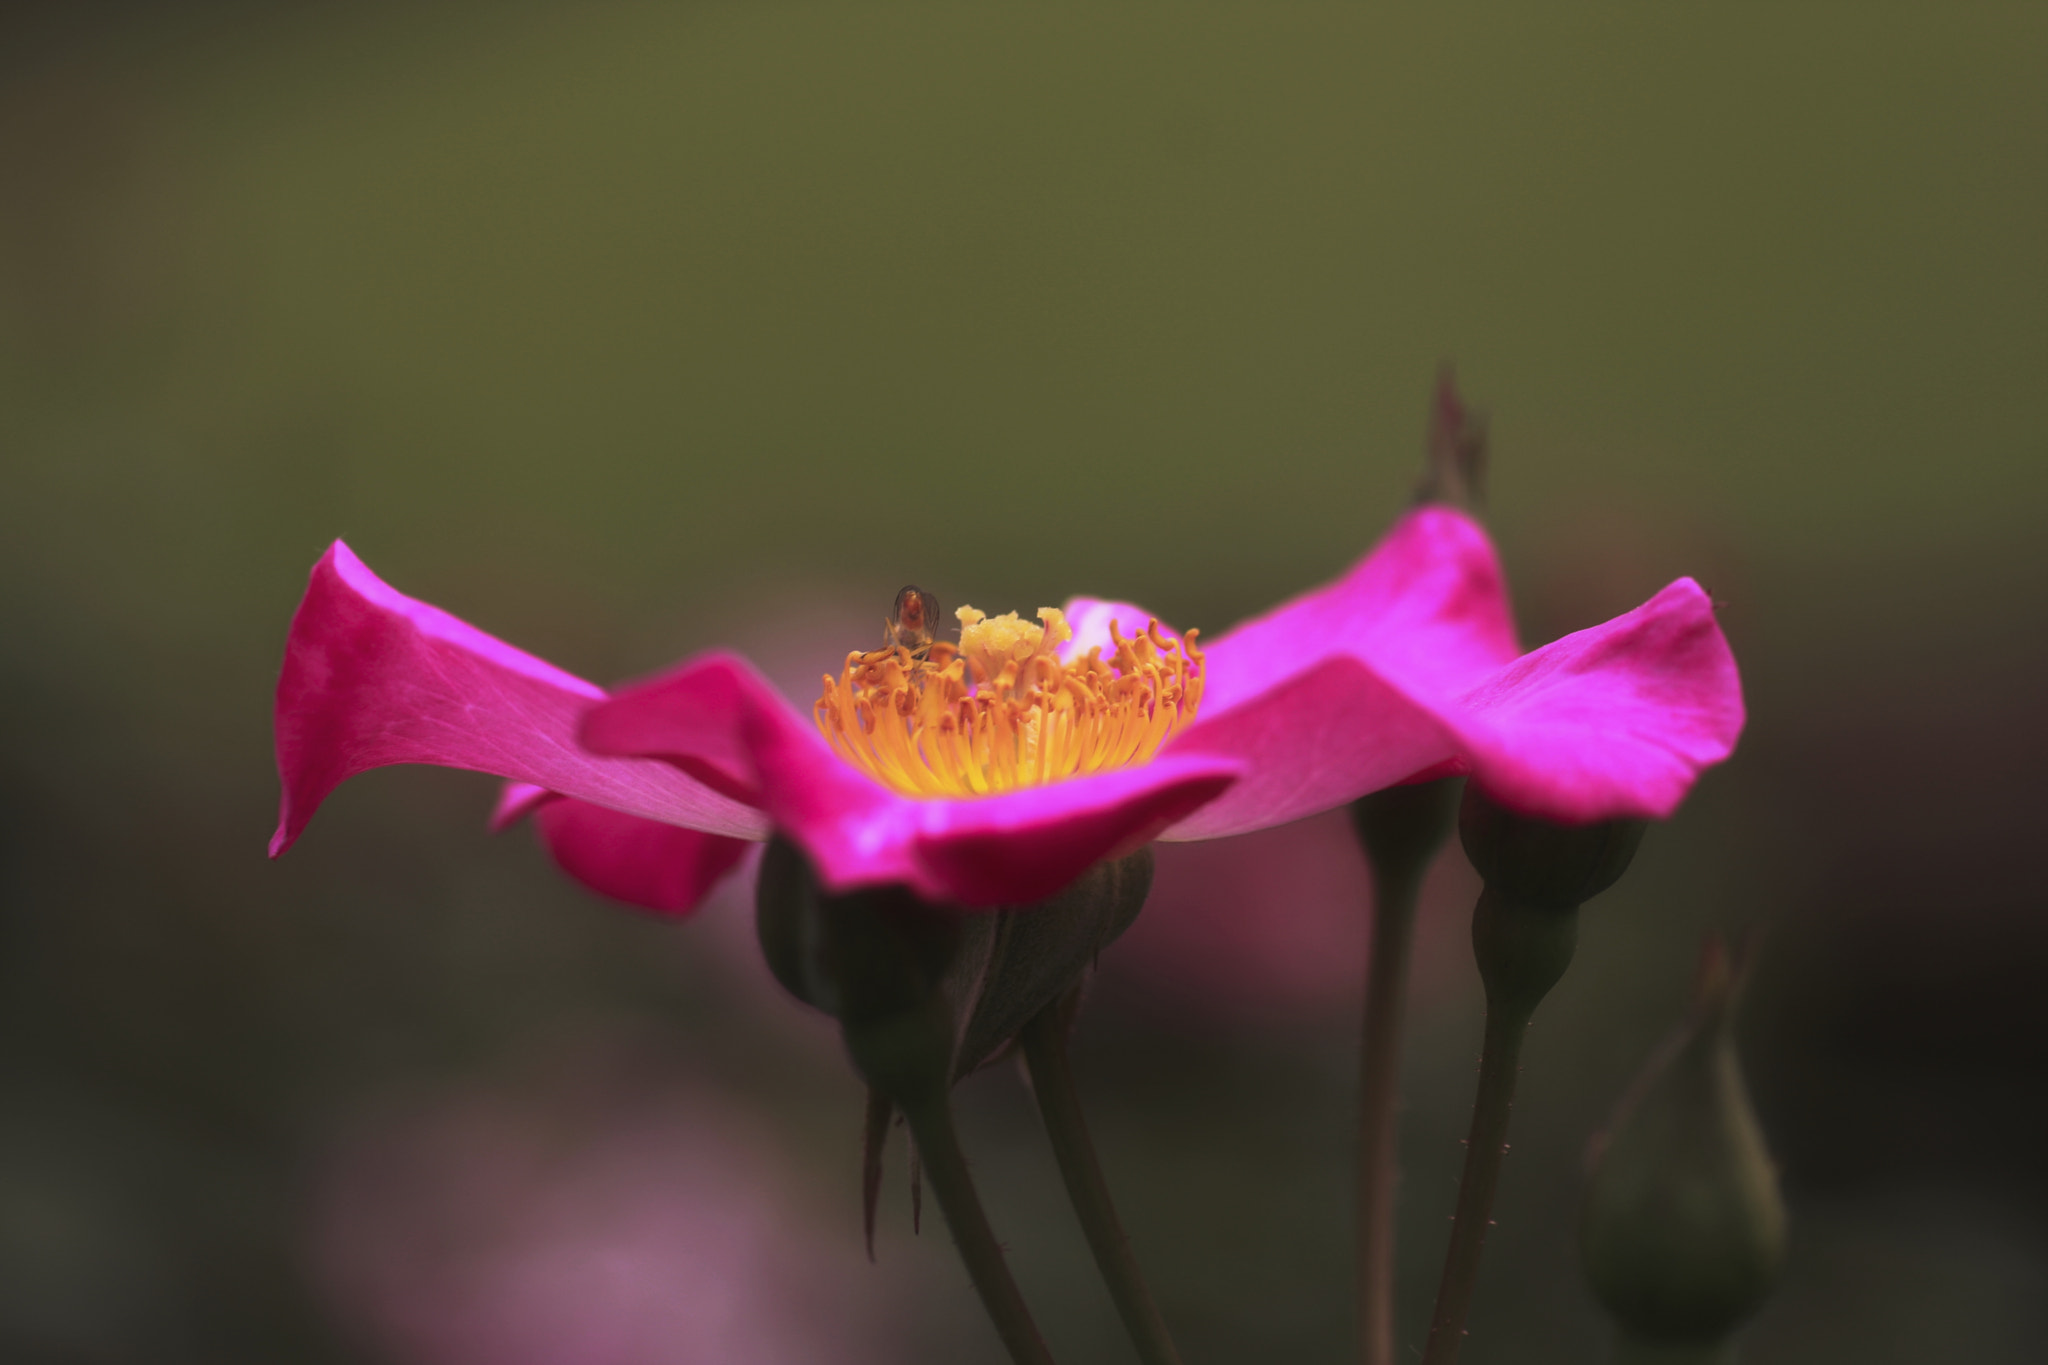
point(997, 772)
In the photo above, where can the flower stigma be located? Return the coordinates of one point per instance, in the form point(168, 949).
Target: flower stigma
point(1001, 709)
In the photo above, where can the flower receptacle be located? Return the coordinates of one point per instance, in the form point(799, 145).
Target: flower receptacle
point(1539, 863)
point(1537, 874)
point(884, 963)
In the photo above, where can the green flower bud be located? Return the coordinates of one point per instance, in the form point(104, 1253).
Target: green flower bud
point(1683, 1229)
point(1538, 863)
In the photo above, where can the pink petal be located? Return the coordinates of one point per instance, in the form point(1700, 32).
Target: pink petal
point(658, 867)
point(372, 677)
point(1025, 845)
point(1329, 696)
point(1426, 611)
point(1090, 617)
point(1313, 741)
point(516, 801)
point(724, 724)
point(1613, 721)
point(1407, 666)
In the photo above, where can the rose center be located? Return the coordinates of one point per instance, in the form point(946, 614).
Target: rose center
point(1002, 710)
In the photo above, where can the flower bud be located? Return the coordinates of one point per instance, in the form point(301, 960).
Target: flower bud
point(1537, 863)
point(1683, 1229)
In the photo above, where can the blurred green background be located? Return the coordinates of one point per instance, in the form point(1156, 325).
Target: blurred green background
point(622, 330)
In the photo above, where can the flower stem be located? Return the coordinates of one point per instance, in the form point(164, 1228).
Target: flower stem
point(1498, 1062)
point(1379, 1090)
point(938, 1143)
point(1401, 829)
point(1522, 951)
point(1052, 1081)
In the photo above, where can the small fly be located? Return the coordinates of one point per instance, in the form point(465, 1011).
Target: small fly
point(911, 624)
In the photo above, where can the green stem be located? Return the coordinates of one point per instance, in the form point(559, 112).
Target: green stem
point(1379, 1091)
point(1522, 951)
point(1401, 830)
point(938, 1144)
point(1484, 1147)
point(1052, 1081)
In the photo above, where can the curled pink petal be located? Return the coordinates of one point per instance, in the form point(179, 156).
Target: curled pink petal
point(723, 723)
point(663, 868)
point(1407, 666)
point(1615, 721)
point(372, 677)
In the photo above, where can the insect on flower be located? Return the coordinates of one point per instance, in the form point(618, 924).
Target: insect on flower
point(910, 624)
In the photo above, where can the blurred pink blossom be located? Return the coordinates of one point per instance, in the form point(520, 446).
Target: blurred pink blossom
point(570, 1223)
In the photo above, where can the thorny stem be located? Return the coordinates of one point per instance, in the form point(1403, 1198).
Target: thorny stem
point(1052, 1081)
point(938, 1143)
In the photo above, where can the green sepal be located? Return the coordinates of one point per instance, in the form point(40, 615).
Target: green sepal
point(1041, 950)
point(874, 1136)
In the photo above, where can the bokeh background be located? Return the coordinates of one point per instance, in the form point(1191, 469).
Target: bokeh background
point(625, 329)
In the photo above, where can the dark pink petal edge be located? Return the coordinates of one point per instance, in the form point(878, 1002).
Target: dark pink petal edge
point(722, 722)
point(372, 677)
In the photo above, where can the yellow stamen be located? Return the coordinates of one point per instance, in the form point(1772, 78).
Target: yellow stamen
point(1001, 710)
